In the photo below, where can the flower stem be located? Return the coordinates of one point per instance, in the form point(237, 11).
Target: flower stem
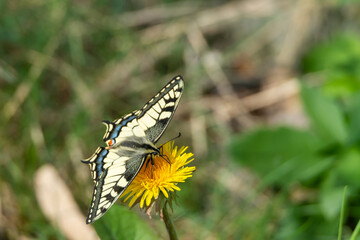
point(169, 224)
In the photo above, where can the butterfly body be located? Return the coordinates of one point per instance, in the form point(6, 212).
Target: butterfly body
point(130, 142)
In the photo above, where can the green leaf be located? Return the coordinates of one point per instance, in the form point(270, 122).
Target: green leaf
point(331, 196)
point(341, 84)
point(341, 52)
point(330, 202)
point(304, 222)
point(338, 59)
point(347, 168)
point(325, 115)
point(281, 155)
point(121, 223)
point(354, 119)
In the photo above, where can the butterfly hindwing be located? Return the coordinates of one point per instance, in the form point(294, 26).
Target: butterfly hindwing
point(113, 170)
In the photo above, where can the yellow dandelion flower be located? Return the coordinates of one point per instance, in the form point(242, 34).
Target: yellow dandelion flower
point(161, 178)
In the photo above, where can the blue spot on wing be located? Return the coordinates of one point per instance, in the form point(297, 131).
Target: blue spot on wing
point(116, 131)
point(100, 162)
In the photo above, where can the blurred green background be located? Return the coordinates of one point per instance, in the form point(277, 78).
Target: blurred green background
point(271, 110)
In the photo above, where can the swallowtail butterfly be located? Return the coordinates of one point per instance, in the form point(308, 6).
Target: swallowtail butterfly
point(130, 141)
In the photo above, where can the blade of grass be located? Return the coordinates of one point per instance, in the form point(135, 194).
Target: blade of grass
point(356, 231)
point(342, 214)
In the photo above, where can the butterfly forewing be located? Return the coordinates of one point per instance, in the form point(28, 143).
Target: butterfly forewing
point(153, 118)
point(130, 140)
point(157, 113)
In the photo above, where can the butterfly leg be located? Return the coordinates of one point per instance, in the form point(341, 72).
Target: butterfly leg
point(163, 156)
point(151, 160)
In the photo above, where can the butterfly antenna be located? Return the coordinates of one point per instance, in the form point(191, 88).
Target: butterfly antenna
point(178, 136)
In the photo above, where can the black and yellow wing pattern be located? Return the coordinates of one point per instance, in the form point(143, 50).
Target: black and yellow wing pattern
point(130, 140)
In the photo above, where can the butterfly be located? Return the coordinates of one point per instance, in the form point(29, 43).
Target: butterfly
point(130, 142)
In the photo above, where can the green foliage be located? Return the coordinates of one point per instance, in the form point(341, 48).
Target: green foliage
point(354, 119)
point(67, 65)
point(281, 155)
point(323, 158)
point(341, 222)
point(341, 52)
point(348, 167)
point(325, 115)
point(356, 231)
point(339, 59)
point(122, 223)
